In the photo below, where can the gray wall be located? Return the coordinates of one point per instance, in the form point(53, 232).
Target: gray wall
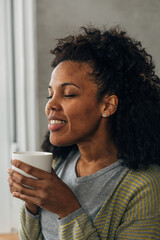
point(59, 18)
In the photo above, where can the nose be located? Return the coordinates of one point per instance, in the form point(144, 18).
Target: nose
point(52, 105)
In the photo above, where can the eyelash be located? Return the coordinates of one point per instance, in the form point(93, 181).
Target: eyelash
point(71, 95)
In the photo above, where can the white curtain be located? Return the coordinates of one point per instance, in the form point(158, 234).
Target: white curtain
point(18, 96)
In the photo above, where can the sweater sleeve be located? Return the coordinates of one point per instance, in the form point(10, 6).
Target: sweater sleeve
point(147, 229)
point(30, 228)
point(132, 213)
point(141, 219)
point(77, 226)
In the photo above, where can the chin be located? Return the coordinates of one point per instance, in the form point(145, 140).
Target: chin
point(60, 142)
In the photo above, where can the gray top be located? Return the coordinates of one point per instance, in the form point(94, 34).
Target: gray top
point(91, 192)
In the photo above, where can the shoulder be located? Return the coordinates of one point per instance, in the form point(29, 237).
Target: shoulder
point(141, 188)
point(144, 177)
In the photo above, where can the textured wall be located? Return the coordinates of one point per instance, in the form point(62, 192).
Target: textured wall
point(58, 18)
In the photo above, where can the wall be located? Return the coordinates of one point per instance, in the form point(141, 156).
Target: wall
point(59, 18)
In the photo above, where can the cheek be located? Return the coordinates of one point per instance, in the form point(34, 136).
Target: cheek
point(82, 117)
point(82, 122)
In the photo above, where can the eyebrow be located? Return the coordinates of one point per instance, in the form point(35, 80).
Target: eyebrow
point(67, 84)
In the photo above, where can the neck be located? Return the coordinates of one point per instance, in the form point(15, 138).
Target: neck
point(102, 152)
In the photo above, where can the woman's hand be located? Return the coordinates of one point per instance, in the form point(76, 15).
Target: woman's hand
point(48, 191)
point(34, 209)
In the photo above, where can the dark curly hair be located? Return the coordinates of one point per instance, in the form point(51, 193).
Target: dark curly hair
point(121, 67)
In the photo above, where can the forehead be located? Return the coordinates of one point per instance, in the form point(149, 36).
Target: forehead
point(69, 71)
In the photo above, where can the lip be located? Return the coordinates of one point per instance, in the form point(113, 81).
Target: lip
point(55, 127)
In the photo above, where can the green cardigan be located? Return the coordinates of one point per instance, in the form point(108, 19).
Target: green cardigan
point(132, 211)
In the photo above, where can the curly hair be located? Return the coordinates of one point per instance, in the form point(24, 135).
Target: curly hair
point(121, 66)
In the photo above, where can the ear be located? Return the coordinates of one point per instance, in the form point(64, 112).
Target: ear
point(110, 104)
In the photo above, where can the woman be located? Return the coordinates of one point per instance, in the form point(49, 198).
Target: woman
point(103, 113)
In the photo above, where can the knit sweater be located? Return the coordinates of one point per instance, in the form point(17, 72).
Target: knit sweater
point(131, 211)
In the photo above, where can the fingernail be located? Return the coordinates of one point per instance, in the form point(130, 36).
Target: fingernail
point(14, 194)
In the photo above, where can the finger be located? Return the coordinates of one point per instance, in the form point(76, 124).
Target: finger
point(23, 180)
point(22, 189)
point(12, 189)
point(25, 198)
point(30, 199)
point(36, 172)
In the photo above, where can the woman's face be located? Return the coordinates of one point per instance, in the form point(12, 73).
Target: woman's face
point(73, 113)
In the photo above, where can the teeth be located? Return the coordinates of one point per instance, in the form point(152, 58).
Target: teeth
point(56, 122)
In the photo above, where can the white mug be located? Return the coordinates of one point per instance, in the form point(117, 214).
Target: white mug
point(41, 160)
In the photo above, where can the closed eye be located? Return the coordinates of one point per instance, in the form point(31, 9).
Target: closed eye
point(66, 95)
point(70, 95)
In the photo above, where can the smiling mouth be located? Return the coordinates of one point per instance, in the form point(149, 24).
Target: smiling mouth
point(57, 122)
point(55, 125)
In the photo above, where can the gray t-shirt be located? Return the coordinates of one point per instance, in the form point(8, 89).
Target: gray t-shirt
point(91, 191)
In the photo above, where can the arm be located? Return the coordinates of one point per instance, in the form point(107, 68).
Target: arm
point(132, 213)
point(147, 229)
point(50, 193)
point(77, 226)
point(130, 228)
point(46, 191)
point(141, 219)
point(30, 228)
